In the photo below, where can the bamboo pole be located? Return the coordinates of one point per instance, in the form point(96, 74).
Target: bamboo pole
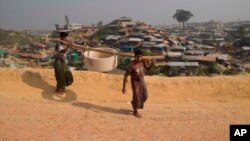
point(130, 55)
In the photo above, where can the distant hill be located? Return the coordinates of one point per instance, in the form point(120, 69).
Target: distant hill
point(9, 37)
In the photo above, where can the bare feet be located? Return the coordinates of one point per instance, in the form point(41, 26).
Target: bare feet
point(59, 91)
point(136, 114)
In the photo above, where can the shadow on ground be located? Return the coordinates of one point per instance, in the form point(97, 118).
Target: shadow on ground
point(35, 80)
point(98, 108)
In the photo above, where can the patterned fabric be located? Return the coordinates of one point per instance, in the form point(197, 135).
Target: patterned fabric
point(140, 93)
point(61, 51)
point(136, 69)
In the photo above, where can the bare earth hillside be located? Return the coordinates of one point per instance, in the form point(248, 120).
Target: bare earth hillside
point(94, 109)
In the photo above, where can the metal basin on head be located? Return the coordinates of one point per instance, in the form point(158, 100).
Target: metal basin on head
point(101, 62)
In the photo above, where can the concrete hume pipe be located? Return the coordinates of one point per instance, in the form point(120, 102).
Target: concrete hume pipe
point(101, 62)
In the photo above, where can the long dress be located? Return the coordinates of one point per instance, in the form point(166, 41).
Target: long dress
point(140, 93)
point(62, 73)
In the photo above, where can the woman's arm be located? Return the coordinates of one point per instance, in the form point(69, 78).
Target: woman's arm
point(148, 65)
point(70, 43)
point(125, 80)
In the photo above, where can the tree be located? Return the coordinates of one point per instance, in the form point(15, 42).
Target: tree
point(182, 16)
point(67, 22)
point(57, 26)
point(99, 24)
point(213, 68)
point(245, 41)
point(241, 31)
point(239, 34)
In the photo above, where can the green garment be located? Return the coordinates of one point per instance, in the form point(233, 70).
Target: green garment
point(63, 75)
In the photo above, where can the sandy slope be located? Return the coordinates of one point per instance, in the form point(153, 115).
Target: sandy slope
point(178, 109)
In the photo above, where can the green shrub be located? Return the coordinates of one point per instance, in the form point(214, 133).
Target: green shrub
point(201, 73)
point(154, 70)
point(232, 71)
point(213, 68)
point(77, 64)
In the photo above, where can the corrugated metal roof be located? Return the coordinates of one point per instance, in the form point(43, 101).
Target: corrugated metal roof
point(157, 40)
point(113, 37)
point(208, 58)
point(245, 48)
point(135, 40)
point(174, 54)
point(208, 47)
point(30, 55)
point(178, 49)
point(191, 57)
point(124, 40)
point(195, 52)
point(157, 35)
point(222, 57)
point(137, 34)
point(183, 64)
point(161, 45)
point(148, 37)
point(148, 43)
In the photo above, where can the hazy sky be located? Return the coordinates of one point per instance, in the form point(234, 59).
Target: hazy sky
point(43, 14)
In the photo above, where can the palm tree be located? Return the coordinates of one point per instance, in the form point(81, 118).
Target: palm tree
point(182, 16)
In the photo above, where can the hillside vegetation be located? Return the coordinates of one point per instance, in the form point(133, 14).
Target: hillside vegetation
point(9, 37)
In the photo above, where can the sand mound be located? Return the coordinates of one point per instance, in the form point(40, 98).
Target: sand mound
point(94, 109)
point(98, 84)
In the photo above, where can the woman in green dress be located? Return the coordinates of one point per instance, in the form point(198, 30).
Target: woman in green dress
point(62, 73)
